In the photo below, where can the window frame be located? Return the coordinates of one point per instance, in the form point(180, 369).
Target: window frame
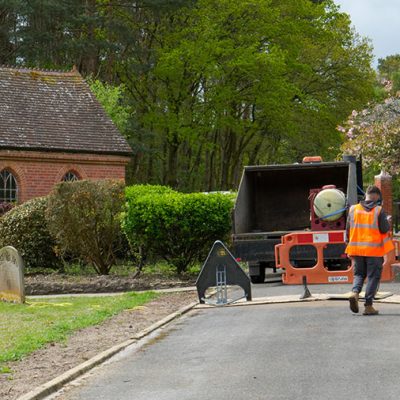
point(8, 193)
point(71, 174)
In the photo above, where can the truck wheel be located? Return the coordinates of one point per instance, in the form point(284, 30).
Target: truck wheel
point(257, 272)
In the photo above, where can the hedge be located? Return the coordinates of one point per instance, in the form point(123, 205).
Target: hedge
point(177, 227)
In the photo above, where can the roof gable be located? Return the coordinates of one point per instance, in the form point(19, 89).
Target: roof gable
point(54, 111)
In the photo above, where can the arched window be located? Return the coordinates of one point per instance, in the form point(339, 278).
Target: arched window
point(70, 176)
point(8, 187)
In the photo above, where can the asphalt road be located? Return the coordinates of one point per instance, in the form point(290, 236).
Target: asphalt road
point(317, 350)
point(277, 289)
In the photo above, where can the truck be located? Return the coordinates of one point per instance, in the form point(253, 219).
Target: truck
point(274, 200)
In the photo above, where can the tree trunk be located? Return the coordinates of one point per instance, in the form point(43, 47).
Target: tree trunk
point(173, 147)
point(90, 58)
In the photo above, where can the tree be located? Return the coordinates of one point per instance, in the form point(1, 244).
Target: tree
point(8, 20)
point(222, 84)
point(112, 99)
point(58, 34)
point(375, 134)
point(389, 65)
point(389, 72)
point(208, 86)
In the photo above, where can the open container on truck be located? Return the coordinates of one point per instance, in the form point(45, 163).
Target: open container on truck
point(273, 201)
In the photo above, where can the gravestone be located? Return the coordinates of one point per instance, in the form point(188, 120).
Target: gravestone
point(11, 275)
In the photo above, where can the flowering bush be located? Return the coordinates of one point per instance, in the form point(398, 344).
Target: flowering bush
point(375, 133)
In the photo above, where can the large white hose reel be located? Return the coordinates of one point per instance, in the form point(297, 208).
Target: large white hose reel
point(329, 204)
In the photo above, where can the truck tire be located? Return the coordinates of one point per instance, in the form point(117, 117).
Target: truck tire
point(257, 272)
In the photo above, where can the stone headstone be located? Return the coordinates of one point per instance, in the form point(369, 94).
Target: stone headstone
point(11, 275)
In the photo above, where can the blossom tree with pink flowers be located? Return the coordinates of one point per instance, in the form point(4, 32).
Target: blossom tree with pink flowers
point(374, 133)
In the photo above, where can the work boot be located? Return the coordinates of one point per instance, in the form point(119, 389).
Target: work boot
point(353, 299)
point(370, 310)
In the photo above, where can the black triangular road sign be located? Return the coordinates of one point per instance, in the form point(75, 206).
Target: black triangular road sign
point(221, 256)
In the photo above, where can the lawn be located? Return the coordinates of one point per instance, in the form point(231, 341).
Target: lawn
point(25, 328)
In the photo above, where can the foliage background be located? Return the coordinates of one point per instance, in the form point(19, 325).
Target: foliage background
point(202, 87)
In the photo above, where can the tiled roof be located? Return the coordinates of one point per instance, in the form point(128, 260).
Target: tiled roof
point(54, 111)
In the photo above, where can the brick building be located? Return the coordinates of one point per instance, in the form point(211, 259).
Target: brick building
point(52, 128)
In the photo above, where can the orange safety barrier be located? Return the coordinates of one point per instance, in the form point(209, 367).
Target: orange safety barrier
point(315, 267)
point(395, 263)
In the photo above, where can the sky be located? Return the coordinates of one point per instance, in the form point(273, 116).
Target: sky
point(378, 20)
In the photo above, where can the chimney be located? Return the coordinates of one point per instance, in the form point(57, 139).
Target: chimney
point(384, 182)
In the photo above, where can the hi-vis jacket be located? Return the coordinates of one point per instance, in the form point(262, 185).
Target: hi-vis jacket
point(365, 238)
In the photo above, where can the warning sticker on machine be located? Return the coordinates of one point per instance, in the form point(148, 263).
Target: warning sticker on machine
point(332, 279)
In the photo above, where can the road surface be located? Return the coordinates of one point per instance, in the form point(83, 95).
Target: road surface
point(317, 350)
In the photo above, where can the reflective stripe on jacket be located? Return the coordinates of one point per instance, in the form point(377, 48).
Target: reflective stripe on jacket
point(365, 239)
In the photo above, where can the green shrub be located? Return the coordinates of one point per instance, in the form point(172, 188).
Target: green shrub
point(177, 227)
point(133, 192)
point(24, 227)
point(84, 218)
point(140, 247)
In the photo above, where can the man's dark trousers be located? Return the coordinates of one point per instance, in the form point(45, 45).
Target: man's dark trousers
point(371, 268)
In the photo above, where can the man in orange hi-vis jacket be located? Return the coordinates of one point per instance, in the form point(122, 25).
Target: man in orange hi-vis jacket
point(368, 240)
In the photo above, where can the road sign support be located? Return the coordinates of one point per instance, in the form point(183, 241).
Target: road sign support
point(221, 270)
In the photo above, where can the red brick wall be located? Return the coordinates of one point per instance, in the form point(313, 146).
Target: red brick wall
point(384, 183)
point(38, 172)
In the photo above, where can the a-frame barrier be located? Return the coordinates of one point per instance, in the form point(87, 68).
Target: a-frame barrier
point(221, 270)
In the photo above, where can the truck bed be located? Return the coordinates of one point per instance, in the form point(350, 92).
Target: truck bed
point(276, 198)
point(257, 246)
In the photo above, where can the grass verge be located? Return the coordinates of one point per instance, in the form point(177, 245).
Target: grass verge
point(25, 328)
